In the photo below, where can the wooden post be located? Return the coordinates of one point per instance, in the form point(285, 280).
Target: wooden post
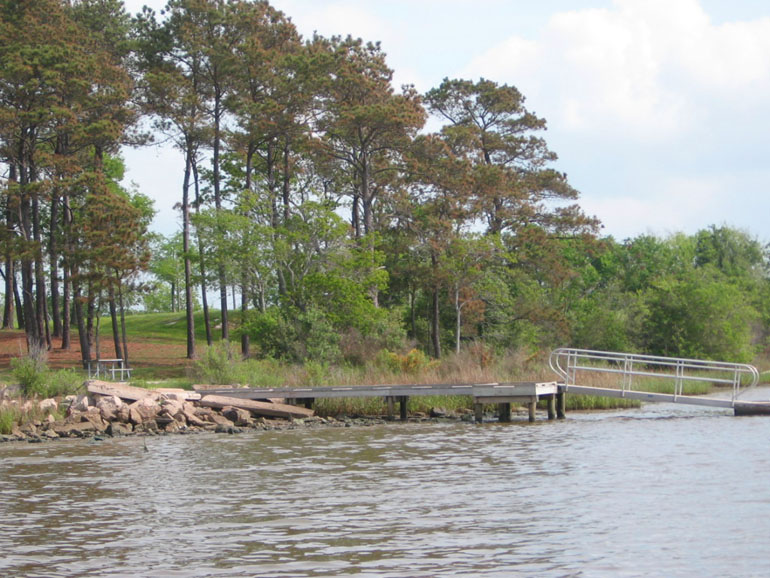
point(504, 412)
point(551, 407)
point(532, 405)
point(404, 400)
point(391, 402)
point(561, 405)
point(309, 402)
point(478, 409)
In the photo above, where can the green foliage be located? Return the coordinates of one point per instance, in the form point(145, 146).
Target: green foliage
point(37, 380)
point(31, 373)
point(411, 363)
point(699, 316)
point(219, 365)
point(9, 417)
point(63, 382)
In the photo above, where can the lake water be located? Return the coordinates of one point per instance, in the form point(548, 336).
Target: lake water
point(660, 491)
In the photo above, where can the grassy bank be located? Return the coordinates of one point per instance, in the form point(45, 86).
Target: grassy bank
point(157, 346)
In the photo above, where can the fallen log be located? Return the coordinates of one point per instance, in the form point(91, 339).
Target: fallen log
point(124, 392)
point(256, 407)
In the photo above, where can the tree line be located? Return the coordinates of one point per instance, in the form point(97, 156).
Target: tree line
point(314, 193)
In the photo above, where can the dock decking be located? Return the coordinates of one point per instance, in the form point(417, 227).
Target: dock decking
point(501, 394)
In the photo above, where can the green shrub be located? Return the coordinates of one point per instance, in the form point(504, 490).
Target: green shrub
point(62, 382)
point(31, 373)
point(412, 363)
point(220, 365)
point(9, 416)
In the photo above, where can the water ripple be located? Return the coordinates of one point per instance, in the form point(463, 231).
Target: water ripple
point(617, 493)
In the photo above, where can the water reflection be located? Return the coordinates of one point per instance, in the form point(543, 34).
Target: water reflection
point(634, 492)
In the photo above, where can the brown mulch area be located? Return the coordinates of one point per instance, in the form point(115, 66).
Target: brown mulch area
point(142, 353)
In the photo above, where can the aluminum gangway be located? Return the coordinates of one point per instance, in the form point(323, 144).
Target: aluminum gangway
point(577, 367)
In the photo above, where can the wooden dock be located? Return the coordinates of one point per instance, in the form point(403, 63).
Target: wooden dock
point(503, 395)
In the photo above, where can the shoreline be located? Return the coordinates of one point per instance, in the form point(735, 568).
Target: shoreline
point(133, 411)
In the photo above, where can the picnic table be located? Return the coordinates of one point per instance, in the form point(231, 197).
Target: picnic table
point(108, 367)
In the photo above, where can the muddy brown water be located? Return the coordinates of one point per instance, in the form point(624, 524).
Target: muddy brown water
point(659, 491)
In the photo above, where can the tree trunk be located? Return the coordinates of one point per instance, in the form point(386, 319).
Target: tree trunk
point(245, 341)
point(17, 300)
point(272, 187)
point(186, 249)
point(286, 183)
point(123, 324)
point(435, 325)
point(458, 327)
point(53, 250)
point(67, 280)
point(201, 261)
point(114, 319)
point(10, 271)
point(10, 275)
point(218, 207)
point(354, 217)
point(90, 314)
point(32, 324)
point(40, 288)
point(85, 346)
point(435, 312)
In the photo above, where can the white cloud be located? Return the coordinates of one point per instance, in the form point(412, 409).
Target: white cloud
point(644, 68)
point(675, 204)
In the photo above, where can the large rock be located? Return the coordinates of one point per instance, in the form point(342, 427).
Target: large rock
point(80, 429)
point(109, 406)
point(48, 405)
point(238, 416)
point(143, 410)
point(80, 403)
point(119, 429)
point(173, 409)
point(94, 416)
point(192, 418)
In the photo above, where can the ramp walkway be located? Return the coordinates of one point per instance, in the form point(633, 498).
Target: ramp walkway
point(653, 378)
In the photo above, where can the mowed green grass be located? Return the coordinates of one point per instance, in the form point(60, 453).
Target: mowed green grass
point(172, 327)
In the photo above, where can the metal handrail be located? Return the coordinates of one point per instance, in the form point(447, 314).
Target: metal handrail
point(566, 362)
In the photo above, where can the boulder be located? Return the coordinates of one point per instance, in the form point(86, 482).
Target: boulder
point(123, 415)
point(119, 429)
point(109, 406)
point(79, 404)
point(173, 427)
point(191, 417)
point(80, 429)
point(238, 416)
point(94, 416)
point(48, 405)
point(143, 410)
point(173, 409)
point(221, 420)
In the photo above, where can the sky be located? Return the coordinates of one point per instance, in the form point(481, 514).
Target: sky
point(659, 110)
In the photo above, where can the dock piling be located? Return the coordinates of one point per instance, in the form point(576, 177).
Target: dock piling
point(532, 405)
point(551, 407)
point(561, 405)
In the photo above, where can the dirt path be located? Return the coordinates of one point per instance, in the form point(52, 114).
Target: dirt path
point(142, 353)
